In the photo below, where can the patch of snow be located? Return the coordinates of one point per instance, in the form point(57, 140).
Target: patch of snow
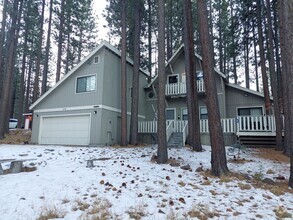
point(127, 178)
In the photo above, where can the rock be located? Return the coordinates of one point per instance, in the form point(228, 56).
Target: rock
point(199, 169)
point(160, 211)
point(185, 167)
point(268, 181)
point(182, 200)
point(40, 155)
point(104, 158)
point(1, 170)
point(175, 164)
point(16, 166)
point(23, 155)
point(280, 177)
point(90, 164)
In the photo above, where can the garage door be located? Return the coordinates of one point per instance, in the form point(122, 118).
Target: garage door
point(66, 130)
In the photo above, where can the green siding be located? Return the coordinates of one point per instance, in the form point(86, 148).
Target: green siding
point(236, 98)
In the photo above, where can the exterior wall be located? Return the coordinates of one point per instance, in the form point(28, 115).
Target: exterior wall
point(178, 67)
point(95, 122)
point(104, 104)
point(65, 95)
point(236, 98)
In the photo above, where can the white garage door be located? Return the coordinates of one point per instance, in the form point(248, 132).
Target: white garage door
point(67, 130)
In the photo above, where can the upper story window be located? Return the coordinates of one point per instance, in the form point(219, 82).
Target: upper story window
point(172, 79)
point(199, 75)
point(96, 59)
point(86, 84)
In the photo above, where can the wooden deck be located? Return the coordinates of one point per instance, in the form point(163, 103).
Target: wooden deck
point(242, 126)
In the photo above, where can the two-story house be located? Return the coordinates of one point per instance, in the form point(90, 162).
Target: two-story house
point(83, 108)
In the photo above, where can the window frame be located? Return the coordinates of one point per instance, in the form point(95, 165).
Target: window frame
point(182, 109)
point(98, 56)
point(85, 76)
point(174, 114)
point(207, 114)
point(249, 107)
point(172, 75)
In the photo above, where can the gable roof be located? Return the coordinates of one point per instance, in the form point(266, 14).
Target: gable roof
point(176, 55)
point(103, 44)
point(235, 86)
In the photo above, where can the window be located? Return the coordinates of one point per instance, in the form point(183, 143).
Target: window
point(170, 114)
point(184, 114)
point(96, 59)
point(86, 84)
point(199, 75)
point(172, 79)
point(203, 111)
point(250, 111)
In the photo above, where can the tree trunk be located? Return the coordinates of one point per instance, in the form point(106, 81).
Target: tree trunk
point(262, 60)
point(39, 54)
point(60, 41)
point(7, 81)
point(2, 40)
point(149, 39)
point(28, 86)
point(123, 76)
point(286, 40)
point(135, 78)
point(162, 154)
point(218, 157)
point(279, 141)
point(255, 58)
point(191, 86)
point(47, 52)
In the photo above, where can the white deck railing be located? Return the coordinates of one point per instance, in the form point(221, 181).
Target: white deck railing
point(184, 133)
point(169, 129)
point(180, 88)
point(229, 125)
point(256, 124)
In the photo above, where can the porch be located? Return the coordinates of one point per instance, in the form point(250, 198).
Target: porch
point(179, 88)
point(240, 126)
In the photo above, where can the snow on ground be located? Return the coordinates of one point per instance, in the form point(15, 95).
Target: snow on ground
point(134, 185)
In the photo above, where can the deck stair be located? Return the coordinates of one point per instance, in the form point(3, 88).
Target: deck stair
point(175, 140)
point(258, 141)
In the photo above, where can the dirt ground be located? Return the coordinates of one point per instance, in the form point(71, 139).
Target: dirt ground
point(272, 154)
point(17, 136)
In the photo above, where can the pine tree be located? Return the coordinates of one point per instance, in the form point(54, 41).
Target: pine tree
point(218, 158)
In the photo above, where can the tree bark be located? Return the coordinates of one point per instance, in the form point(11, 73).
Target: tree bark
point(60, 41)
point(191, 86)
point(162, 154)
point(39, 54)
point(47, 52)
point(7, 82)
point(286, 40)
point(135, 78)
point(262, 60)
point(123, 76)
point(218, 155)
point(274, 86)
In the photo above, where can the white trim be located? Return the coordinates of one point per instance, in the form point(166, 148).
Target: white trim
point(76, 108)
point(249, 107)
point(174, 113)
point(67, 115)
point(88, 107)
point(102, 45)
point(78, 93)
point(105, 107)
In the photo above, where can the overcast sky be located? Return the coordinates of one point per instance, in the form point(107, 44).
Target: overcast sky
point(99, 6)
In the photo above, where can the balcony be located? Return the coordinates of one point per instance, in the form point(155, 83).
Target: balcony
point(180, 88)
